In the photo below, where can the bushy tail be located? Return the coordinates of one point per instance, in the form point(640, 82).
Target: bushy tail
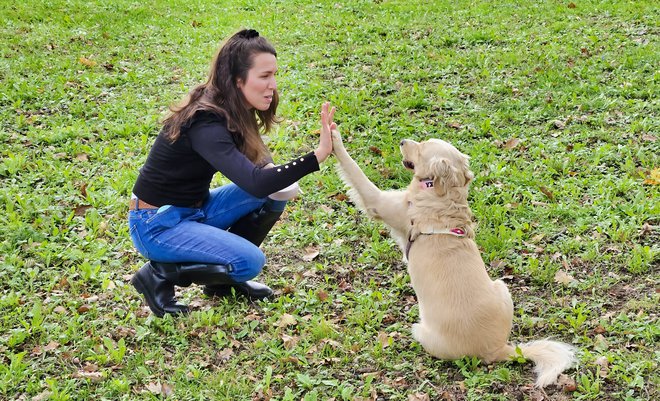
point(550, 358)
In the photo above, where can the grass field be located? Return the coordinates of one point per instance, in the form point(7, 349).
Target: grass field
point(556, 102)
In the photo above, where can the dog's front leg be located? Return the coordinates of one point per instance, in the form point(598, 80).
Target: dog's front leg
point(388, 206)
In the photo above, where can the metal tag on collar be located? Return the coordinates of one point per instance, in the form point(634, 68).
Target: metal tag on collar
point(426, 183)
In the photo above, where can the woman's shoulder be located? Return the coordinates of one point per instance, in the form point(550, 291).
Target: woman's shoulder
point(204, 118)
point(207, 116)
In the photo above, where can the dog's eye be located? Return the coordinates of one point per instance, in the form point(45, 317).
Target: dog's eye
point(408, 164)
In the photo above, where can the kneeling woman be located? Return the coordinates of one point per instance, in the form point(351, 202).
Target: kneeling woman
point(194, 234)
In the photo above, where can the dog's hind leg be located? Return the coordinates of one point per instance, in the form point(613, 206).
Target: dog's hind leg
point(432, 342)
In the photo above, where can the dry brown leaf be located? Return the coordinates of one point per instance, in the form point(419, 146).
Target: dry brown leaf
point(289, 342)
point(600, 343)
point(511, 143)
point(86, 62)
point(375, 150)
point(93, 376)
point(42, 396)
point(562, 277)
point(566, 383)
point(310, 254)
point(559, 124)
point(80, 210)
point(225, 354)
point(82, 157)
point(547, 192)
point(323, 295)
point(653, 178)
point(53, 345)
point(418, 397)
point(286, 320)
point(384, 339)
point(604, 364)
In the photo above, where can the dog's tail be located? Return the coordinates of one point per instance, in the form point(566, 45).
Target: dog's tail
point(550, 358)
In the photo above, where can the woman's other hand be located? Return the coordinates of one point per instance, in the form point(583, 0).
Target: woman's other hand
point(327, 126)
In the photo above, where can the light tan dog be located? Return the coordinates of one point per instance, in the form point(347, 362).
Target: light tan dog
point(462, 311)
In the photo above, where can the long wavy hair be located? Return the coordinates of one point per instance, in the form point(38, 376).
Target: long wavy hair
point(221, 95)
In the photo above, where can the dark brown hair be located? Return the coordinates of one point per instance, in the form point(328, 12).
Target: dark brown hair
point(221, 95)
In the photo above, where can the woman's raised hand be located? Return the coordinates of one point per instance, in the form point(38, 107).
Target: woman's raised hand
point(327, 126)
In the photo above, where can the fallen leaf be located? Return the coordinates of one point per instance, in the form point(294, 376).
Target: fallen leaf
point(225, 354)
point(375, 150)
point(454, 125)
point(323, 295)
point(153, 387)
point(649, 138)
point(87, 62)
point(286, 320)
point(310, 254)
point(567, 383)
point(384, 339)
point(559, 124)
point(93, 376)
point(341, 197)
point(289, 342)
point(419, 397)
point(80, 210)
point(82, 157)
point(653, 178)
point(511, 143)
point(167, 389)
point(572, 5)
point(547, 192)
point(604, 364)
point(42, 396)
point(562, 277)
point(600, 343)
point(51, 346)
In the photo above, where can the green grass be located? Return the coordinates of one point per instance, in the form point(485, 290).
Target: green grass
point(556, 102)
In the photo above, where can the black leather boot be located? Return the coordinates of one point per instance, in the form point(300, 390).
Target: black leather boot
point(153, 281)
point(253, 227)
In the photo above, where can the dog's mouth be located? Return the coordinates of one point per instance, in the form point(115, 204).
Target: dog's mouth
point(408, 164)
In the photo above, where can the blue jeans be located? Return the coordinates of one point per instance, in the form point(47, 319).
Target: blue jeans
point(173, 234)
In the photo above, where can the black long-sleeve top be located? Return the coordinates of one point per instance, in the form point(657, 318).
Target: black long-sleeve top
point(180, 173)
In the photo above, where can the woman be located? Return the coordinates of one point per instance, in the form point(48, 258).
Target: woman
point(190, 233)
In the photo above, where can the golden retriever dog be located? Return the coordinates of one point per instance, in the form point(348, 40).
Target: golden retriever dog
point(462, 311)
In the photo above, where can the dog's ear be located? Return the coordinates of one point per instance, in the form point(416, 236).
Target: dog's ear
point(468, 175)
point(444, 175)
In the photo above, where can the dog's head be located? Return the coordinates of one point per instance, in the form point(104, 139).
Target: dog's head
point(438, 162)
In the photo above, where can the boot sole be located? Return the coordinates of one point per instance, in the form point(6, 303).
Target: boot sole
point(227, 292)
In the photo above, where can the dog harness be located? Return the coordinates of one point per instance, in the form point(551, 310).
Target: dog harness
point(427, 183)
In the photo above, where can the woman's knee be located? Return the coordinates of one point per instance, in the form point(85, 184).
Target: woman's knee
point(249, 265)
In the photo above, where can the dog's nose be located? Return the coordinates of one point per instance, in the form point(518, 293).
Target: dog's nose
point(401, 143)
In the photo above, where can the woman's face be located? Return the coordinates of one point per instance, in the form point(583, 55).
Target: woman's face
point(259, 86)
